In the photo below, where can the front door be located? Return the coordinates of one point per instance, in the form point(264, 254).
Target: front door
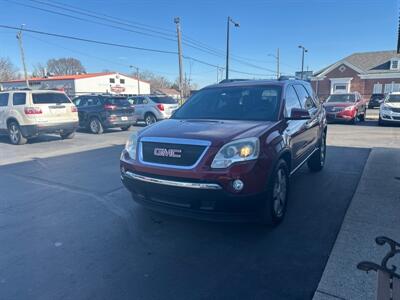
point(3, 110)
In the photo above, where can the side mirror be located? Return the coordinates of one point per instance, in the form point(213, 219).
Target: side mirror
point(299, 114)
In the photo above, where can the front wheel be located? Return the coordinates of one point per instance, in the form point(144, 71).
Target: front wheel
point(15, 134)
point(276, 195)
point(362, 117)
point(317, 161)
point(150, 119)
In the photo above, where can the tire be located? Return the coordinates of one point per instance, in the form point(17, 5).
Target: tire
point(317, 161)
point(354, 120)
point(276, 195)
point(15, 135)
point(149, 119)
point(67, 135)
point(125, 128)
point(95, 126)
point(362, 117)
point(381, 122)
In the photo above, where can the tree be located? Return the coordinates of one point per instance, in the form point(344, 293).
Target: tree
point(39, 70)
point(156, 81)
point(65, 66)
point(8, 70)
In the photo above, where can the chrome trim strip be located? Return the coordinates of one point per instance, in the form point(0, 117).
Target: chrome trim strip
point(172, 141)
point(191, 185)
point(303, 162)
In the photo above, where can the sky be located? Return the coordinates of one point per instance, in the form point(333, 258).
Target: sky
point(329, 29)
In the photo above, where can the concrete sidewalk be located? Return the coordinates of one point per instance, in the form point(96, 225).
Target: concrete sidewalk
point(374, 211)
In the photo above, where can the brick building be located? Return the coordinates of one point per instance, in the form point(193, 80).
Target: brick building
point(367, 73)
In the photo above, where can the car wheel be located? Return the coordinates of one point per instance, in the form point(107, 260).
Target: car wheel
point(317, 161)
point(276, 195)
point(67, 135)
point(125, 128)
point(95, 126)
point(354, 120)
point(381, 122)
point(362, 117)
point(15, 135)
point(150, 119)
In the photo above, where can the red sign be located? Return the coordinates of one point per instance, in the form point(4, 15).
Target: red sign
point(117, 89)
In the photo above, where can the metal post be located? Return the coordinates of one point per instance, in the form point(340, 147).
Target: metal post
point(21, 48)
point(304, 50)
point(398, 38)
point(178, 32)
point(277, 64)
point(138, 80)
point(227, 49)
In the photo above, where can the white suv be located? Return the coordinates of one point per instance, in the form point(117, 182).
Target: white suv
point(389, 111)
point(25, 114)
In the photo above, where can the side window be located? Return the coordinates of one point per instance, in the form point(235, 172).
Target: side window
point(305, 99)
point(145, 101)
point(291, 100)
point(19, 99)
point(112, 80)
point(77, 101)
point(93, 101)
point(122, 81)
point(4, 99)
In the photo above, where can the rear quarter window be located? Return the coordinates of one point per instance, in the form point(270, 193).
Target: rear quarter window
point(49, 98)
point(4, 99)
point(19, 99)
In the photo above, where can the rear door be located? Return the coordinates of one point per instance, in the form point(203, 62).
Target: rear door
point(55, 107)
point(139, 107)
point(3, 110)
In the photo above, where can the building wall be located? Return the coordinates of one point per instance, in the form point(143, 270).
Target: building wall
point(65, 85)
point(102, 84)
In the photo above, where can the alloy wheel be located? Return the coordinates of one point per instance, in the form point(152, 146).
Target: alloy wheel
point(150, 119)
point(94, 127)
point(279, 193)
point(14, 133)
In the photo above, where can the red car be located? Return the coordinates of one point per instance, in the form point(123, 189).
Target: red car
point(228, 152)
point(345, 107)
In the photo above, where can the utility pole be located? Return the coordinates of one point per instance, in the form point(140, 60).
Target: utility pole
point(21, 48)
point(227, 44)
point(398, 38)
point(278, 74)
point(178, 33)
point(137, 78)
point(304, 50)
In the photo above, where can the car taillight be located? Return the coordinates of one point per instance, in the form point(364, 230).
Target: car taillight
point(110, 107)
point(160, 107)
point(32, 110)
point(74, 109)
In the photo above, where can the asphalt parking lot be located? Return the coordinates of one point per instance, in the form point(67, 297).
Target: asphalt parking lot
point(69, 230)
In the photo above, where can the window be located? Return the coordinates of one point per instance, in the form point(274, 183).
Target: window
point(250, 103)
point(136, 100)
point(305, 99)
point(395, 64)
point(49, 98)
point(19, 99)
point(93, 101)
point(377, 88)
point(112, 80)
point(392, 87)
point(4, 99)
point(292, 101)
point(117, 101)
point(122, 81)
point(165, 100)
point(339, 88)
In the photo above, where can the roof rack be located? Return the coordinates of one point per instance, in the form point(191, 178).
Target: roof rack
point(232, 80)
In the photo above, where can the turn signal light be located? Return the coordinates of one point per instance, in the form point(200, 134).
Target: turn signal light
point(32, 111)
point(110, 107)
point(160, 107)
point(74, 109)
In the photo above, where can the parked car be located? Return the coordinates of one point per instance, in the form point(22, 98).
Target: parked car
point(376, 100)
point(228, 152)
point(98, 112)
point(153, 108)
point(348, 107)
point(389, 111)
point(25, 114)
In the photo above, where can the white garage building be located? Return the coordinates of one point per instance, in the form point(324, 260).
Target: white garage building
point(74, 85)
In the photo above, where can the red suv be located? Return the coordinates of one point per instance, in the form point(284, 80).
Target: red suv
point(228, 152)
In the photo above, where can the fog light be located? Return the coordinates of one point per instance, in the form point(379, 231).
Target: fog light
point(237, 185)
point(123, 170)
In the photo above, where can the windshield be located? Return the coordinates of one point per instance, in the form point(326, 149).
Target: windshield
point(393, 99)
point(257, 103)
point(49, 98)
point(164, 100)
point(117, 101)
point(341, 98)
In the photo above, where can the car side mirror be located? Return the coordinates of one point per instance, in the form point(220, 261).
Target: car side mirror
point(299, 114)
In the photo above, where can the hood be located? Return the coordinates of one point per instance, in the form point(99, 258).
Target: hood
point(339, 104)
point(217, 132)
point(393, 104)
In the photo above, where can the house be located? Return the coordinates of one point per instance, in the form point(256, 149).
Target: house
point(367, 73)
point(74, 85)
point(168, 92)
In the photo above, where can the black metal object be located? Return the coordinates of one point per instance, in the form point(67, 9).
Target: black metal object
point(371, 266)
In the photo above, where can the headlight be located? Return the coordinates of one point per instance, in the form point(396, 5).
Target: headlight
point(350, 107)
point(131, 145)
point(239, 150)
point(385, 108)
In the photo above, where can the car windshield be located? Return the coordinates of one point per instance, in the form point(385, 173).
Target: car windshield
point(117, 101)
point(393, 99)
point(257, 103)
point(341, 98)
point(164, 100)
point(49, 98)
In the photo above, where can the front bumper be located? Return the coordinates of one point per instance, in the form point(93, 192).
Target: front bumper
point(34, 130)
point(390, 116)
point(195, 199)
point(340, 116)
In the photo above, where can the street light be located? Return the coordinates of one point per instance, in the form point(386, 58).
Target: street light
point(304, 50)
point(137, 78)
point(277, 62)
point(236, 24)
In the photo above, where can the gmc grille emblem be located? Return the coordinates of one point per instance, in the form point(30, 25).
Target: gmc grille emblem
point(174, 153)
